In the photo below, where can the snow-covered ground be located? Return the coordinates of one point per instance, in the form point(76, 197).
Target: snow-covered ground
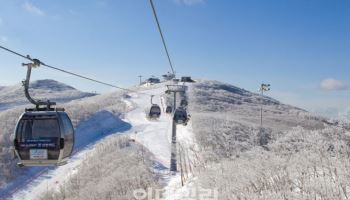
point(154, 135)
point(50, 178)
point(223, 132)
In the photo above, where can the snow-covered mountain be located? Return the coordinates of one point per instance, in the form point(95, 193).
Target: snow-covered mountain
point(222, 147)
point(11, 96)
point(289, 158)
point(231, 117)
point(244, 107)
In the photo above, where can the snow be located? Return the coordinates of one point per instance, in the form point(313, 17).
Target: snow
point(154, 135)
point(51, 178)
point(13, 96)
point(185, 135)
point(97, 127)
point(224, 124)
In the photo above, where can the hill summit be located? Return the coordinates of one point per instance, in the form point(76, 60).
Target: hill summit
point(11, 96)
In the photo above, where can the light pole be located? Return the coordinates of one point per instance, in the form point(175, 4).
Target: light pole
point(140, 79)
point(263, 88)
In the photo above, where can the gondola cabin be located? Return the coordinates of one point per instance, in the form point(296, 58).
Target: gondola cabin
point(43, 138)
point(169, 109)
point(183, 103)
point(180, 116)
point(154, 111)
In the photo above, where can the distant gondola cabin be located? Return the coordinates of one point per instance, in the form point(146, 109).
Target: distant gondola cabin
point(155, 111)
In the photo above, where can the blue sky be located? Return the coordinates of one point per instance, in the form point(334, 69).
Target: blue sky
point(300, 47)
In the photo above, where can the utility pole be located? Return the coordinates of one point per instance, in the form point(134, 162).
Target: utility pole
point(140, 79)
point(263, 88)
point(174, 89)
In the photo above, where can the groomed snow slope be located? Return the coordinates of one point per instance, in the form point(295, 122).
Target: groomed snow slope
point(155, 135)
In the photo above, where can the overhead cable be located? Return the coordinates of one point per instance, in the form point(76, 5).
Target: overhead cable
point(161, 35)
point(68, 72)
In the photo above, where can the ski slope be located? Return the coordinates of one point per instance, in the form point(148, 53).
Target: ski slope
point(154, 135)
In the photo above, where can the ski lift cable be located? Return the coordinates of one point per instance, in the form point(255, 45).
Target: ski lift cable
point(162, 36)
point(36, 61)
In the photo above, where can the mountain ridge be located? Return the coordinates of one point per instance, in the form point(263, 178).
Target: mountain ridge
point(13, 95)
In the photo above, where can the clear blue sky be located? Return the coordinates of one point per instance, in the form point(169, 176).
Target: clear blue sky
point(292, 44)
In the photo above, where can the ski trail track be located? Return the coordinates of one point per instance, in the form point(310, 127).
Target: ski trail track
point(154, 135)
